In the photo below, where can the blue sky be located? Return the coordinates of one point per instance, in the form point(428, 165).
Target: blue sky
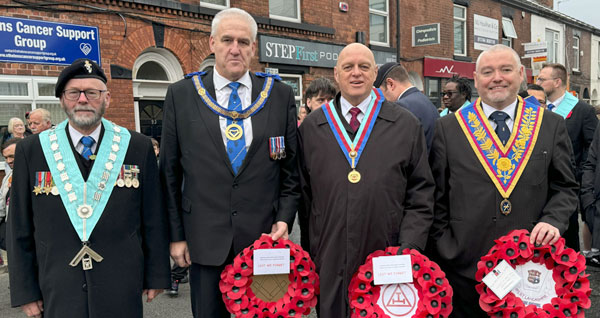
point(584, 10)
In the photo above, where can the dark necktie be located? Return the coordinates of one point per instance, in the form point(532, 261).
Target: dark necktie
point(236, 143)
point(354, 123)
point(550, 107)
point(502, 130)
point(87, 143)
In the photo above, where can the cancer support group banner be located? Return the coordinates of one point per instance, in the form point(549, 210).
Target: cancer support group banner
point(40, 42)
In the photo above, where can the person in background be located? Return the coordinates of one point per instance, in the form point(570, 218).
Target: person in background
point(581, 123)
point(320, 91)
point(15, 129)
point(456, 94)
point(302, 112)
point(8, 152)
point(39, 120)
point(392, 79)
point(590, 201)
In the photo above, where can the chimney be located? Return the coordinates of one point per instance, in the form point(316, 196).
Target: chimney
point(546, 3)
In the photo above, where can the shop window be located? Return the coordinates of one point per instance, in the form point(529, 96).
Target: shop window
point(152, 71)
point(460, 30)
point(379, 26)
point(19, 94)
point(294, 81)
point(287, 10)
point(216, 4)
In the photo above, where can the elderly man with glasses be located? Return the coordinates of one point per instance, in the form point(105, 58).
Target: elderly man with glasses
point(87, 233)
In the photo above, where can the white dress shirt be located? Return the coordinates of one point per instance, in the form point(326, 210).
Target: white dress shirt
point(76, 138)
point(510, 110)
point(346, 106)
point(556, 102)
point(244, 91)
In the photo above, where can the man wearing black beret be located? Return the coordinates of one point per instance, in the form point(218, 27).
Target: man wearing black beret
point(87, 233)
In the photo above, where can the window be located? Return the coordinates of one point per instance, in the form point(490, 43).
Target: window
point(19, 95)
point(576, 53)
point(508, 32)
point(379, 22)
point(552, 38)
point(287, 10)
point(295, 81)
point(216, 4)
point(432, 90)
point(460, 30)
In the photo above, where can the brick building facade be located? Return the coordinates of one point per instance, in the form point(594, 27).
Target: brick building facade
point(147, 44)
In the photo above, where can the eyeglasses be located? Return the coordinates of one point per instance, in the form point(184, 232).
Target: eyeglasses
point(91, 94)
point(541, 79)
point(449, 93)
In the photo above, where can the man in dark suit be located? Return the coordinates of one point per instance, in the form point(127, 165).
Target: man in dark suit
point(392, 79)
point(581, 123)
point(472, 147)
point(375, 194)
point(87, 232)
point(228, 160)
point(590, 205)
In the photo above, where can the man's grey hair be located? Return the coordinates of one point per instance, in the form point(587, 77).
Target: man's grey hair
point(234, 12)
point(499, 48)
point(46, 116)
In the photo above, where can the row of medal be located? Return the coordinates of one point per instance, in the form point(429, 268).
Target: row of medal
point(277, 147)
point(128, 177)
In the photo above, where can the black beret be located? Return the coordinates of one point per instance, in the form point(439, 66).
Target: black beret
point(383, 72)
point(81, 68)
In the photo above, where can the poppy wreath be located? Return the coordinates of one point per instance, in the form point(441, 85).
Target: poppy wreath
point(434, 291)
point(568, 272)
point(301, 296)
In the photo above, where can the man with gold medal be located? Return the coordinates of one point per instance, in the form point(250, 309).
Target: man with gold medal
point(500, 164)
point(84, 247)
point(365, 178)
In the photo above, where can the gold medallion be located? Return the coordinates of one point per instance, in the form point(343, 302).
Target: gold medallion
point(354, 176)
point(505, 207)
point(120, 183)
point(135, 183)
point(352, 154)
point(128, 182)
point(234, 131)
point(202, 91)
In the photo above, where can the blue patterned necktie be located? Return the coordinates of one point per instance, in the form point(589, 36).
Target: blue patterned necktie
point(550, 107)
point(501, 128)
point(236, 149)
point(87, 143)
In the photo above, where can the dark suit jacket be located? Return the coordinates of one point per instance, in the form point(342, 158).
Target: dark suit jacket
point(420, 106)
point(581, 125)
point(390, 206)
point(210, 207)
point(590, 181)
point(467, 213)
point(131, 236)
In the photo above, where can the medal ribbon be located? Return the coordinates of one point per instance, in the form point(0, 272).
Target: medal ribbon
point(504, 164)
point(212, 104)
point(114, 136)
point(364, 131)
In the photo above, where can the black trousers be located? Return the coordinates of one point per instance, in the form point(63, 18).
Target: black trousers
point(465, 301)
point(207, 300)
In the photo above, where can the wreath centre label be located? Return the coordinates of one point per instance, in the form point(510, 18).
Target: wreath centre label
point(537, 286)
point(398, 300)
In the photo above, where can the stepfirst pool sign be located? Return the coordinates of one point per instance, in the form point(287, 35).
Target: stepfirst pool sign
point(39, 42)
